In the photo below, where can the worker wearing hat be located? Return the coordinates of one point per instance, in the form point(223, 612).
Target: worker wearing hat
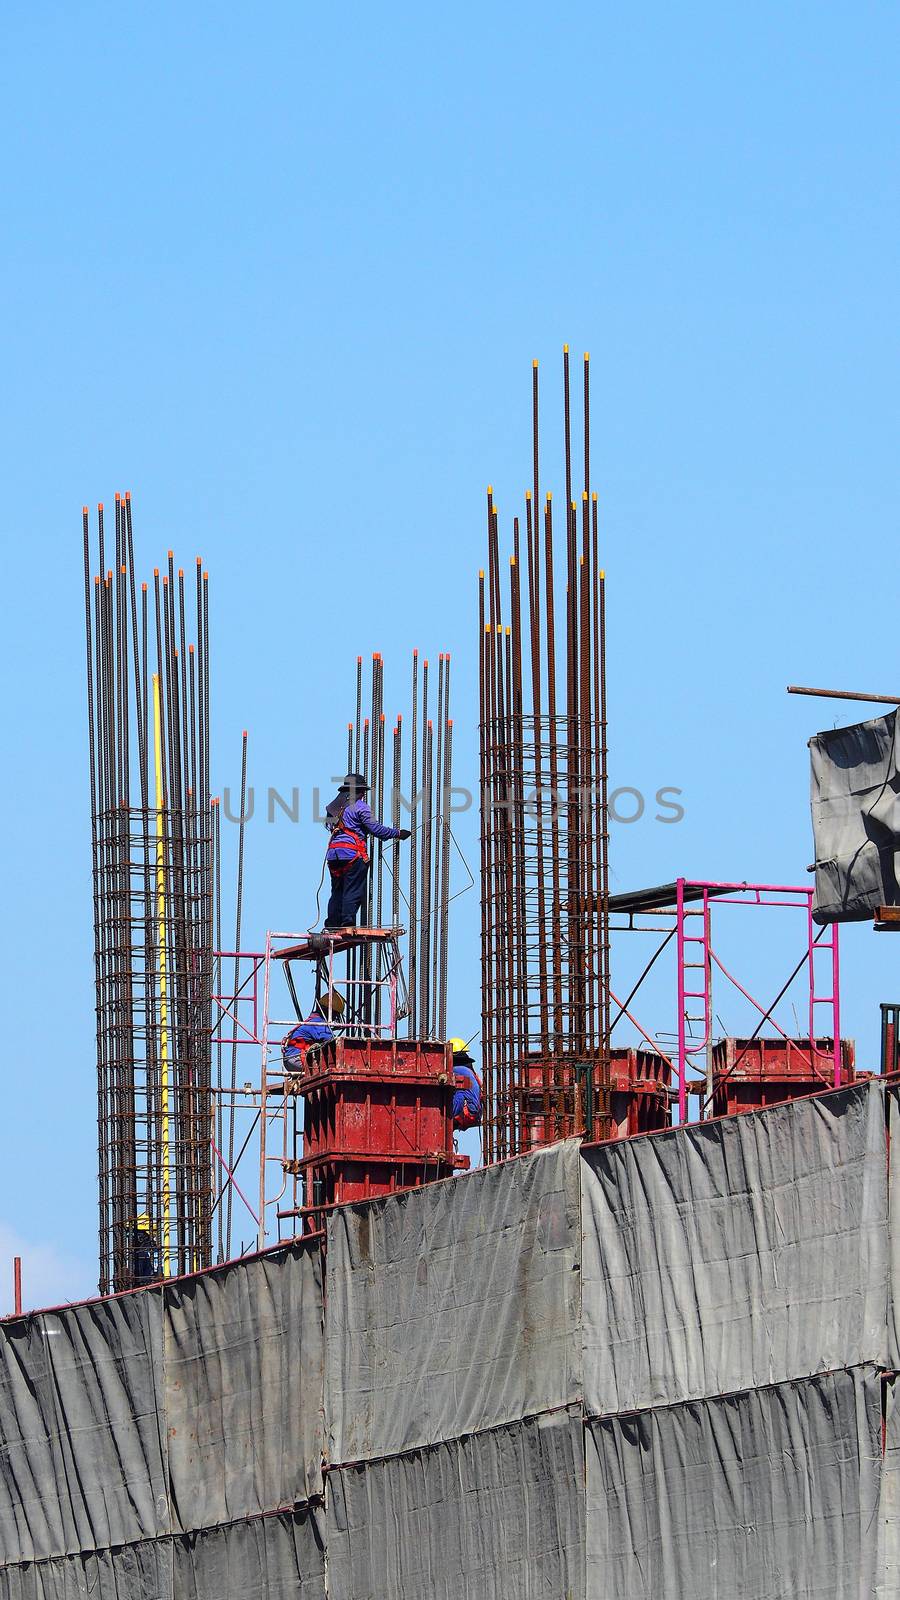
point(314, 1029)
point(349, 820)
point(143, 1252)
point(467, 1091)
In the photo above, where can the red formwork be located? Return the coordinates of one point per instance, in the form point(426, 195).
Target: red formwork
point(341, 1181)
point(551, 1108)
point(378, 1117)
point(641, 1083)
point(379, 1098)
point(751, 1073)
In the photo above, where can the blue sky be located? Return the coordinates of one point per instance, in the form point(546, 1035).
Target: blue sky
point(282, 272)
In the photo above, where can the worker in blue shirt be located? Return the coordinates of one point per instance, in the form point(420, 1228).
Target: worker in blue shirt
point(313, 1029)
point(467, 1090)
point(349, 820)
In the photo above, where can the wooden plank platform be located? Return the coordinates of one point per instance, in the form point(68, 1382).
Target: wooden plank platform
point(887, 919)
point(334, 941)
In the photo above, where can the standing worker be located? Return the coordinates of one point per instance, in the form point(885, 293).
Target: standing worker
point(349, 820)
point(143, 1252)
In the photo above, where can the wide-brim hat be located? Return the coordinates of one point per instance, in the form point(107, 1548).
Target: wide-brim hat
point(355, 780)
point(332, 1003)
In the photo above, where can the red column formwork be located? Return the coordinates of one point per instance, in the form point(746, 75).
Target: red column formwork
point(751, 1073)
point(378, 1116)
point(553, 1104)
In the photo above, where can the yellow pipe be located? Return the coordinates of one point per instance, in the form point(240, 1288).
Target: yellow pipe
point(166, 1196)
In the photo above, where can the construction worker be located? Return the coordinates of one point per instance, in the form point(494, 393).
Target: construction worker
point(467, 1093)
point(349, 820)
point(314, 1029)
point(143, 1252)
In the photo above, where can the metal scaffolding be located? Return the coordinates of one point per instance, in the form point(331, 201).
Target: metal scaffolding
point(259, 995)
point(148, 719)
point(544, 813)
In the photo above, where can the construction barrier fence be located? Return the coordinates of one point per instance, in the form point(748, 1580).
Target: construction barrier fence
point(659, 1367)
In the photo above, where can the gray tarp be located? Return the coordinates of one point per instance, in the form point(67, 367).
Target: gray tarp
point(889, 1522)
point(855, 800)
point(212, 1386)
point(746, 1252)
point(135, 1572)
point(264, 1558)
point(889, 1511)
point(454, 1307)
point(735, 1253)
point(758, 1496)
point(81, 1428)
point(244, 1362)
point(893, 1351)
point(276, 1557)
point(498, 1516)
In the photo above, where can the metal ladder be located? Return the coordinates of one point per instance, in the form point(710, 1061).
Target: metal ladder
point(832, 1000)
point(693, 967)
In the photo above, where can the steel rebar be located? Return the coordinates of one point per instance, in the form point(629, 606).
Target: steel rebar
point(544, 809)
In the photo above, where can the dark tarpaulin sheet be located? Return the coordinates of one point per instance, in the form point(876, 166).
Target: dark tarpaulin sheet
point(244, 1362)
point(211, 1389)
point(454, 1307)
point(756, 1496)
point(276, 1557)
point(264, 1558)
point(735, 1253)
point(497, 1516)
point(136, 1572)
point(82, 1432)
point(893, 1351)
point(743, 1255)
point(889, 1512)
point(855, 801)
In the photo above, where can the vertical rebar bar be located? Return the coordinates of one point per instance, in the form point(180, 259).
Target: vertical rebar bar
point(239, 899)
point(413, 853)
point(445, 871)
point(397, 779)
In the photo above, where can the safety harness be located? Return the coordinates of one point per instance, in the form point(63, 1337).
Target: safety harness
point(344, 838)
point(467, 1083)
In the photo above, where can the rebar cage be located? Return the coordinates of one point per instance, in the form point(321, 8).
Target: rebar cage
point(154, 863)
point(543, 1005)
point(544, 814)
point(153, 909)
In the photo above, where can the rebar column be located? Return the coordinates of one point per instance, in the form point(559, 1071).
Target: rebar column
point(544, 814)
point(153, 915)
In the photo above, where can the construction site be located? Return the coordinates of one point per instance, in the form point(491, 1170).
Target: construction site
point(598, 1304)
